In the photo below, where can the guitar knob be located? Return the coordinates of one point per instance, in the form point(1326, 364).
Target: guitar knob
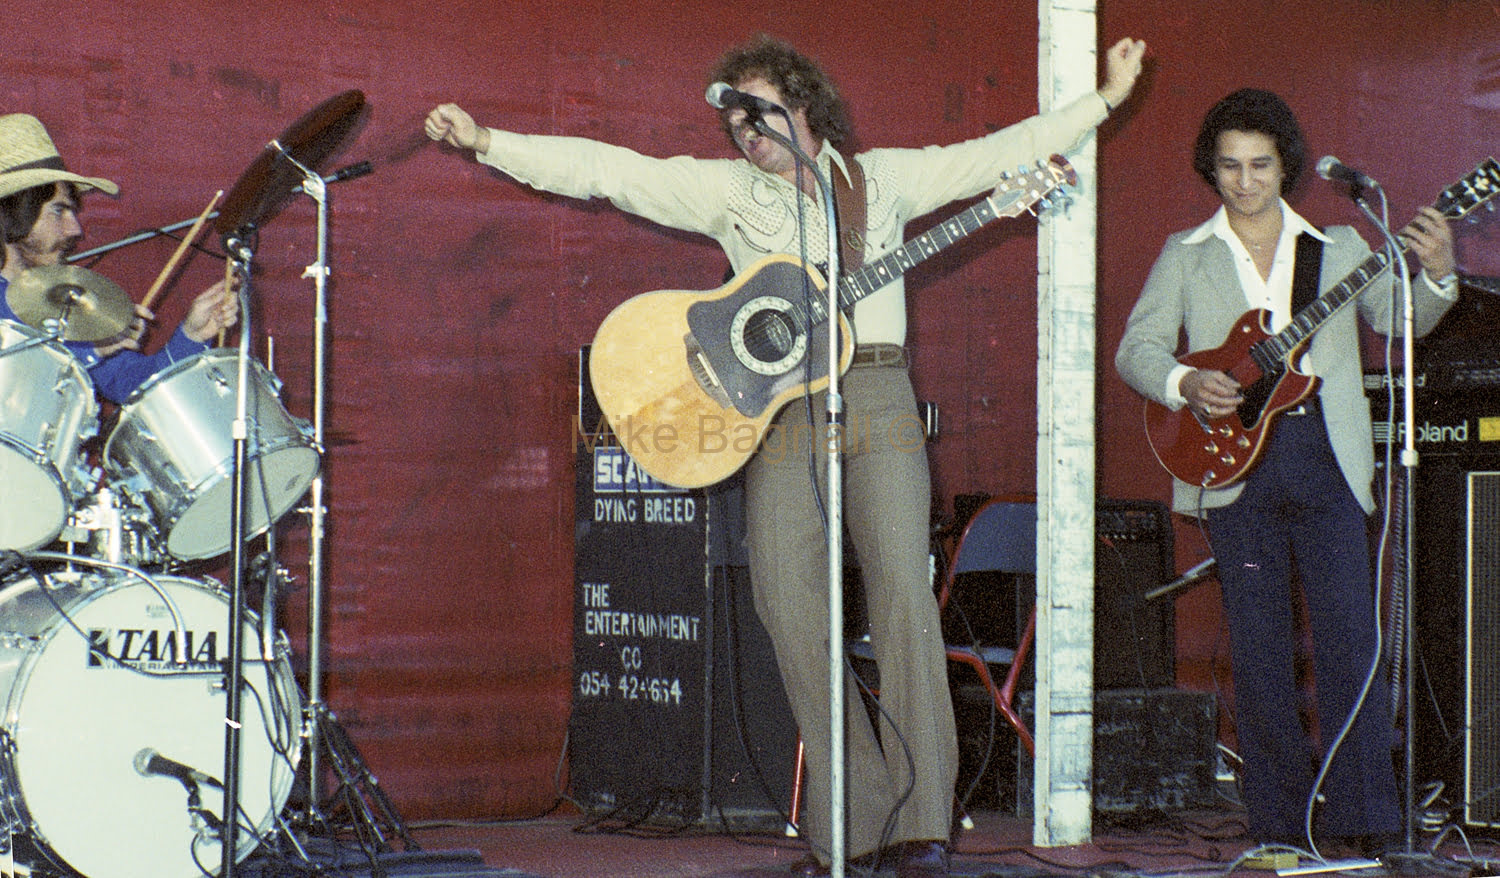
point(1211, 448)
point(1243, 442)
point(1227, 459)
point(1226, 431)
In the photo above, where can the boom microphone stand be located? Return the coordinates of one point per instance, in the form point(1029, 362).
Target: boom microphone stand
point(1409, 461)
point(834, 502)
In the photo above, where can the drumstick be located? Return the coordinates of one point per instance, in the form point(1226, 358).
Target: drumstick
point(181, 248)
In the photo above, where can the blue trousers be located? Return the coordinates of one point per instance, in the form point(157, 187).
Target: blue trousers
point(1297, 509)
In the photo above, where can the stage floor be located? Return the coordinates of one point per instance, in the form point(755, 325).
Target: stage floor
point(1196, 844)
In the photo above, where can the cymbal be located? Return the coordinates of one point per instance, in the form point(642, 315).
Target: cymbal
point(95, 306)
point(271, 177)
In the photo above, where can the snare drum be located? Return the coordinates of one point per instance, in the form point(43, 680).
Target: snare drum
point(173, 444)
point(47, 411)
point(94, 687)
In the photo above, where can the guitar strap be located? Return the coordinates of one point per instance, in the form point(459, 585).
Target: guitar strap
point(849, 204)
point(1307, 267)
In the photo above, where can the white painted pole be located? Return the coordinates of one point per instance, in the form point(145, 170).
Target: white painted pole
point(1066, 68)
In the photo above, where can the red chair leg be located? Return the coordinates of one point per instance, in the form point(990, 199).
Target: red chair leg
point(794, 813)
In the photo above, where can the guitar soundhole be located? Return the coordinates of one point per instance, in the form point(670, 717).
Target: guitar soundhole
point(766, 336)
point(769, 336)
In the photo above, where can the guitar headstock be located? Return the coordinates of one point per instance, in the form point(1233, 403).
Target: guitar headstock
point(1475, 189)
point(1018, 192)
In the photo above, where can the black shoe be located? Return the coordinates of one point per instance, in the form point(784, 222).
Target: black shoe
point(923, 859)
point(1378, 845)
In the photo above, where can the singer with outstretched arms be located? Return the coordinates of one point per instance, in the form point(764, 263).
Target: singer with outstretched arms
point(1305, 501)
point(901, 796)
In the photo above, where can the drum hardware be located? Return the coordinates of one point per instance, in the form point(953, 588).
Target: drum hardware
point(112, 529)
point(79, 304)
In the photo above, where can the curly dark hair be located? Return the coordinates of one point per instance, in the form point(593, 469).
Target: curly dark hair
point(802, 83)
point(1256, 110)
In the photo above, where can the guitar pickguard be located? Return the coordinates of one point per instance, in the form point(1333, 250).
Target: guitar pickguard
point(755, 340)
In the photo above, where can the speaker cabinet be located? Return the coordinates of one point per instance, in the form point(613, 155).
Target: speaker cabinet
point(1482, 653)
point(1456, 632)
point(679, 716)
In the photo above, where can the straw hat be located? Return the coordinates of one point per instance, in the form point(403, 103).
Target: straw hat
point(28, 158)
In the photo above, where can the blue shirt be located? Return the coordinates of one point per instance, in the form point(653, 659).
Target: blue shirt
point(119, 374)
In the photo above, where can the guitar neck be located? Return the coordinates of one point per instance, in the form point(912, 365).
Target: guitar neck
point(1274, 350)
point(872, 276)
point(1476, 188)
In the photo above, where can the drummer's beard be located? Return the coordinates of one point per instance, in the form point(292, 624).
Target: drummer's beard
point(32, 254)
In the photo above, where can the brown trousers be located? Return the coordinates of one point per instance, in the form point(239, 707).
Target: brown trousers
point(887, 500)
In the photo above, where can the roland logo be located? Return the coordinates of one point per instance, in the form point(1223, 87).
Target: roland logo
point(1431, 434)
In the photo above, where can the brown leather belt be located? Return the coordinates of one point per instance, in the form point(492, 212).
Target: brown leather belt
point(878, 355)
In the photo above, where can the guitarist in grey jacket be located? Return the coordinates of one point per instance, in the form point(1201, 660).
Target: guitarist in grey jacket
point(1304, 503)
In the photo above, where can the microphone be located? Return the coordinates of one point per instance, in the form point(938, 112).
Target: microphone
point(721, 97)
point(149, 762)
point(1330, 168)
point(1192, 576)
point(349, 172)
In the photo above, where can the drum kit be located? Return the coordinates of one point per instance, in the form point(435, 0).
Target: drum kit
point(112, 669)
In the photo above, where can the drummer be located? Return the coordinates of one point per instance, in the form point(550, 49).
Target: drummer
point(39, 208)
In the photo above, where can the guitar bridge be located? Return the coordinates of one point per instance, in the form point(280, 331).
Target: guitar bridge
point(703, 371)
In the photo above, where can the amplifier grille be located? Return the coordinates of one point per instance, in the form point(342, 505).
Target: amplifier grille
point(1482, 662)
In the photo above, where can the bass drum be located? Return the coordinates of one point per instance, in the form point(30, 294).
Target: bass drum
point(95, 691)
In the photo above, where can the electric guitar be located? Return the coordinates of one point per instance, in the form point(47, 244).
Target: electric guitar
point(1217, 452)
point(689, 381)
point(1489, 285)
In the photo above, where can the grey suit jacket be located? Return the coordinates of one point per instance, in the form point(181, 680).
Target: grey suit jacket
point(1194, 288)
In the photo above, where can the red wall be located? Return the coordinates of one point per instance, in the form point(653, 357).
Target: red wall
point(458, 299)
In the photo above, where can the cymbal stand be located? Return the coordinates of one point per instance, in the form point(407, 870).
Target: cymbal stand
point(315, 711)
point(321, 728)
